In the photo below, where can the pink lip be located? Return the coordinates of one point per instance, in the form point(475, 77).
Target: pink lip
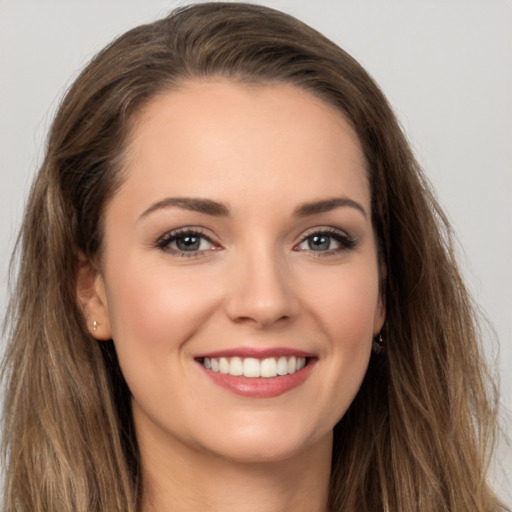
point(257, 353)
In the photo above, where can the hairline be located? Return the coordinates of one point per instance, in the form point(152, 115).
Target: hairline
point(182, 82)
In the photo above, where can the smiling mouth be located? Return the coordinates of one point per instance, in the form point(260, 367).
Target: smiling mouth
point(252, 367)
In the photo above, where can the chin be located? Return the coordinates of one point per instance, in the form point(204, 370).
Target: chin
point(258, 444)
point(260, 453)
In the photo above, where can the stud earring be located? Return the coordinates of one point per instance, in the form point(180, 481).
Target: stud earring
point(94, 325)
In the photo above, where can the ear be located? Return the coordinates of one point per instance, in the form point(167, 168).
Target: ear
point(92, 298)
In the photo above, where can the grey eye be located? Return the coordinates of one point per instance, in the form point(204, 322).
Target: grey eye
point(185, 242)
point(188, 242)
point(319, 242)
point(330, 241)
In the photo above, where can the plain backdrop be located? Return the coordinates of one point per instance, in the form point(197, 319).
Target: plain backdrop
point(446, 67)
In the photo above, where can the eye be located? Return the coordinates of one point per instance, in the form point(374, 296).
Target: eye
point(327, 241)
point(186, 242)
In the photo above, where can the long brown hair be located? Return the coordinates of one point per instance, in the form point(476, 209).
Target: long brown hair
point(418, 435)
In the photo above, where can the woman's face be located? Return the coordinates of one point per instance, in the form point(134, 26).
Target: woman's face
point(240, 242)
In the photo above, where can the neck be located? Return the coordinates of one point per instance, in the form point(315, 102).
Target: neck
point(197, 481)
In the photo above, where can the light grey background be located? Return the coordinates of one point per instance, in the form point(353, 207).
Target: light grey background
point(445, 65)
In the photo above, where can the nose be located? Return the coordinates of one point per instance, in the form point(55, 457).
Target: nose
point(262, 291)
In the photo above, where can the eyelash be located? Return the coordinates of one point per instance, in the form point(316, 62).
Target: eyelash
point(345, 241)
point(164, 242)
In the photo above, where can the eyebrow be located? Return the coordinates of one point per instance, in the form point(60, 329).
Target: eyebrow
point(217, 209)
point(189, 203)
point(326, 205)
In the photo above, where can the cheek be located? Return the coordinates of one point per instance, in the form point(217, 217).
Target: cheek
point(346, 303)
point(153, 308)
point(344, 307)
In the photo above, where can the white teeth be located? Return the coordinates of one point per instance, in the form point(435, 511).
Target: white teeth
point(253, 368)
point(268, 367)
point(223, 365)
point(236, 366)
point(282, 366)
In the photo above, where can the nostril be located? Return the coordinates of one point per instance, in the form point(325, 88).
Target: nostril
point(261, 320)
point(260, 301)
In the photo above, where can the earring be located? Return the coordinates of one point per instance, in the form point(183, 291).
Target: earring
point(378, 344)
point(94, 325)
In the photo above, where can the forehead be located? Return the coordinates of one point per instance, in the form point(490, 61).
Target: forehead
point(218, 137)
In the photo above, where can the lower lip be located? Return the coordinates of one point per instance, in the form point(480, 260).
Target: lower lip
point(260, 387)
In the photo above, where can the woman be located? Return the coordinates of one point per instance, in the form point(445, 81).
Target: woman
point(236, 290)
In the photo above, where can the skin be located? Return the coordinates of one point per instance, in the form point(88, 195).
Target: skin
point(262, 151)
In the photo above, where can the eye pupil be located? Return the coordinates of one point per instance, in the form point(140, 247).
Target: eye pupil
point(188, 243)
point(319, 242)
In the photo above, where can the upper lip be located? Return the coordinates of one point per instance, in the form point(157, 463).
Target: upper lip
point(257, 353)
